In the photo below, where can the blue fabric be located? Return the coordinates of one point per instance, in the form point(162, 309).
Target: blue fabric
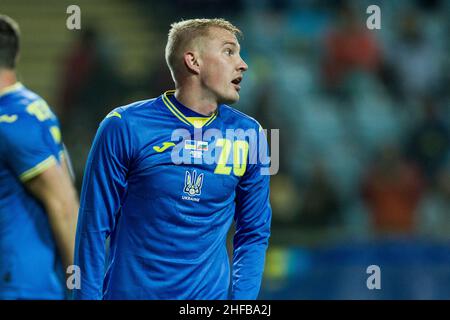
point(167, 222)
point(30, 267)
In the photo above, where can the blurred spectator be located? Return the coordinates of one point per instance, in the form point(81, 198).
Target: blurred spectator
point(284, 199)
point(392, 190)
point(264, 114)
point(90, 83)
point(434, 212)
point(349, 47)
point(320, 207)
point(430, 5)
point(78, 67)
point(209, 8)
point(157, 80)
point(430, 140)
point(415, 59)
point(90, 87)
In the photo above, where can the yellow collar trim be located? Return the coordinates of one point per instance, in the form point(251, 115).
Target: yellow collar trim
point(11, 88)
point(197, 122)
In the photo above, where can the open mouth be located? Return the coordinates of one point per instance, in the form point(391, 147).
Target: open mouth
point(236, 83)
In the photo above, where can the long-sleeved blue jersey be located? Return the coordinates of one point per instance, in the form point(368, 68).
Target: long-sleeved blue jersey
point(30, 143)
point(165, 183)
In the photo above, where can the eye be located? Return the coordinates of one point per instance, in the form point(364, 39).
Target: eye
point(229, 51)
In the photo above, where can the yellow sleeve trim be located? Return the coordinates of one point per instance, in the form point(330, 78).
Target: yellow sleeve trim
point(38, 169)
point(114, 114)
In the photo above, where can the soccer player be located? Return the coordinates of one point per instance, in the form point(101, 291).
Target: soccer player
point(38, 203)
point(151, 188)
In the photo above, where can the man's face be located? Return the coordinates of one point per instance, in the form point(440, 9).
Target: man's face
point(221, 66)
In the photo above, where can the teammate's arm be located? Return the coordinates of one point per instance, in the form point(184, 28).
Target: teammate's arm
point(253, 217)
point(55, 191)
point(66, 163)
point(30, 152)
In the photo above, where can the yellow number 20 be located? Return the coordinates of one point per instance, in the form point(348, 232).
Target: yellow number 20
point(240, 153)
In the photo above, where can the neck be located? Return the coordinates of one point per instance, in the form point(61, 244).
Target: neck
point(7, 78)
point(193, 98)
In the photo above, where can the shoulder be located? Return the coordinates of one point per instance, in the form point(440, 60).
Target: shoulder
point(24, 107)
point(133, 110)
point(238, 118)
point(23, 112)
point(20, 99)
point(123, 117)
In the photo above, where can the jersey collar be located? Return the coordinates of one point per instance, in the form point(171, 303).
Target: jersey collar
point(11, 88)
point(196, 121)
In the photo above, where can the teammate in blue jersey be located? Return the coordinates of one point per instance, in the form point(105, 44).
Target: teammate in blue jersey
point(166, 177)
point(38, 203)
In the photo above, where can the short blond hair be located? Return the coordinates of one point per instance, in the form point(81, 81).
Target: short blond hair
point(182, 34)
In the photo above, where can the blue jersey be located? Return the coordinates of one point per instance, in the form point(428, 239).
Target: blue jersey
point(30, 267)
point(151, 186)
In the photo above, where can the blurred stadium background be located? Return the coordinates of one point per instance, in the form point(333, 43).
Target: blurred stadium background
point(364, 116)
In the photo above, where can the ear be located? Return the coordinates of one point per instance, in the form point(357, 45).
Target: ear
point(191, 61)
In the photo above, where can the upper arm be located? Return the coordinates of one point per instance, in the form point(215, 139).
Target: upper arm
point(253, 211)
point(52, 187)
point(105, 177)
point(66, 163)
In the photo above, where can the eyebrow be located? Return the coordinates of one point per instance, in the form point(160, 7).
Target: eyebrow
point(231, 43)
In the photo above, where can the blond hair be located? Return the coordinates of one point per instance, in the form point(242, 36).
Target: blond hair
point(183, 33)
